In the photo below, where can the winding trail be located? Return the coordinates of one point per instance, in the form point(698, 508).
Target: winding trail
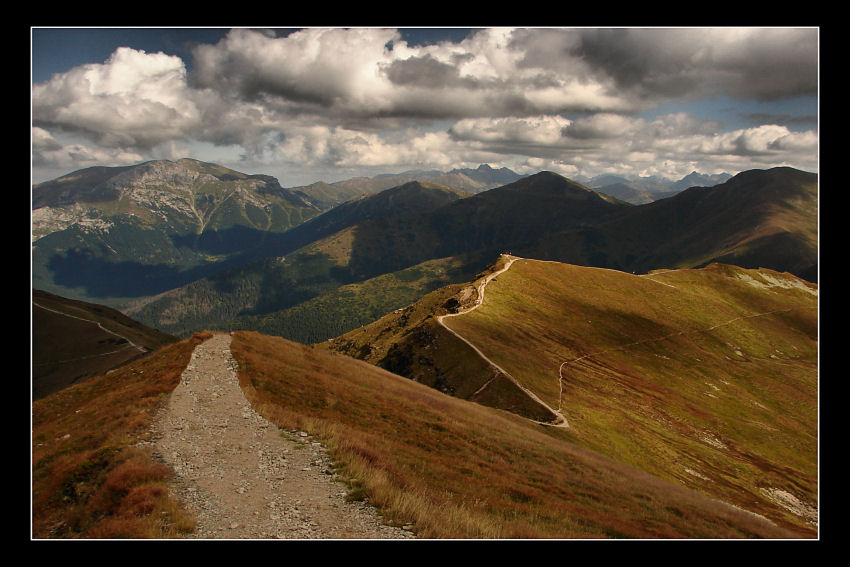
point(130, 344)
point(562, 421)
point(240, 475)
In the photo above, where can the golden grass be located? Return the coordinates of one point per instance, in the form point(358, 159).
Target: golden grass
point(697, 376)
point(455, 469)
point(89, 479)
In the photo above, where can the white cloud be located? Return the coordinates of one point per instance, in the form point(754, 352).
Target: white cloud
point(535, 130)
point(54, 156)
point(42, 140)
point(322, 68)
point(353, 72)
point(357, 97)
point(763, 140)
point(133, 99)
point(602, 126)
point(322, 145)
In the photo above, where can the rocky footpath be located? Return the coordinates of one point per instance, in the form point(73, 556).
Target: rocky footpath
point(243, 477)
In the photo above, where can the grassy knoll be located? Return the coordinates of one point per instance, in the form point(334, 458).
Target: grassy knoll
point(456, 469)
point(706, 378)
point(89, 477)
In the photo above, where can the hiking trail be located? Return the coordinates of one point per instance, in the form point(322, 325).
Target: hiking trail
point(562, 421)
point(240, 475)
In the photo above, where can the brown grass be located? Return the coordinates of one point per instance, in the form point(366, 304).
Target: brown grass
point(89, 480)
point(455, 469)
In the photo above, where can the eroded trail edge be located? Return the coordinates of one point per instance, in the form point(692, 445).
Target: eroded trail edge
point(240, 475)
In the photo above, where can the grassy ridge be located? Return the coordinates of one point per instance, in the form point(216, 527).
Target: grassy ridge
point(409, 342)
point(89, 477)
point(456, 469)
point(671, 372)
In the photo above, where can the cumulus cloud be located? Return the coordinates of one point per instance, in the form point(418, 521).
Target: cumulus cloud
point(372, 72)
point(566, 98)
point(49, 152)
point(761, 141)
point(321, 67)
point(322, 145)
point(534, 130)
point(600, 126)
point(42, 140)
point(133, 99)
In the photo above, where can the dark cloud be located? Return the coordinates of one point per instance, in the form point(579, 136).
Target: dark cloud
point(759, 63)
point(427, 72)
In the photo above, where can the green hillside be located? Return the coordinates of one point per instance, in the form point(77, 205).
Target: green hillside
point(706, 378)
point(759, 218)
point(401, 234)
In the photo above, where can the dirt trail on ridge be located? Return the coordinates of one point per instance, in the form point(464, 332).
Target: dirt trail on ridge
point(243, 477)
point(562, 421)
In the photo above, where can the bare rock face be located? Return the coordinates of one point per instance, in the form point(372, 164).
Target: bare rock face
point(243, 477)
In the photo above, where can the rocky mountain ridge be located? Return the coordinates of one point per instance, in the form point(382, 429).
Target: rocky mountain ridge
point(185, 193)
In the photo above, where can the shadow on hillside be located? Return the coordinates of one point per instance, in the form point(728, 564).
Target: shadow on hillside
point(99, 278)
point(89, 270)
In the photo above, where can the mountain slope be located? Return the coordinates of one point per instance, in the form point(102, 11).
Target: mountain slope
point(328, 195)
point(386, 239)
point(114, 233)
point(509, 216)
point(706, 378)
point(91, 477)
point(413, 197)
point(453, 469)
point(759, 218)
point(410, 450)
point(74, 340)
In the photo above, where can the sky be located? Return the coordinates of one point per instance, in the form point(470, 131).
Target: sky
point(327, 104)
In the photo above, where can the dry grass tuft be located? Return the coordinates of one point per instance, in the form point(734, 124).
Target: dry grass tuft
point(90, 479)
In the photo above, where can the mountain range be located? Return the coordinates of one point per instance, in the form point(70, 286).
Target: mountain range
point(533, 359)
point(221, 249)
point(111, 234)
point(482, 178)
point(322, 268)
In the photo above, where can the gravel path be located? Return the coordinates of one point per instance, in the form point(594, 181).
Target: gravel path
point(243, 477)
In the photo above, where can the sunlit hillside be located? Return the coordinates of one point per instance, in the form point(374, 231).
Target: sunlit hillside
point(456, 469)
point(707, 378)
